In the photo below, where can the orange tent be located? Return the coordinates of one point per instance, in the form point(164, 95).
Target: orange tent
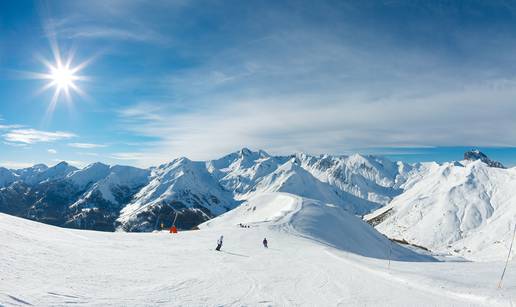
point(173, 229)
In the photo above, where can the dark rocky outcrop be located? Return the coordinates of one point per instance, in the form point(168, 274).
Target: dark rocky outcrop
point(475, 154)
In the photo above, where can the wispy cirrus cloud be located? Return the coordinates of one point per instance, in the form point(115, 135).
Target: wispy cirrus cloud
point(8, 127)
point(112, 33)
point(331, 86)
point(331, 123)
point(31, 136)
point(143, 112)
point(52, 151)
point(129, 156)
point(91, 154)
point(19, 145)
point(86, 145)
point(112, 21)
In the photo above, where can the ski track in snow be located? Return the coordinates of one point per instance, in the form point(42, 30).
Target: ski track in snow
point(43, 265)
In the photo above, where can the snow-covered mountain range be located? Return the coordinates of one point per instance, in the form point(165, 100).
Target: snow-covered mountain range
point(199, 191)
point(106, 197)
point(464, 207)
point(89, 198)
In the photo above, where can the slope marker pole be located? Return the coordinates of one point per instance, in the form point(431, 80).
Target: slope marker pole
point(174, 222)
point(508, 257)
point(390, 252)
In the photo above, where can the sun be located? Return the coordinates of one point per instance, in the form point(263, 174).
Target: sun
point(61, 75)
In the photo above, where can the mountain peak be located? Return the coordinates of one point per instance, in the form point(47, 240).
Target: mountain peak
point(475, 154)
point(246, 152)
point(63, 166)
point(39, 167)
point(98, 164)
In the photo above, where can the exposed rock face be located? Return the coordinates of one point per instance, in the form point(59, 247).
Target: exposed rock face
point(475, 154)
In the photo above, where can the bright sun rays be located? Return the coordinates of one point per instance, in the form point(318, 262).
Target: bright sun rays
point(61, 76)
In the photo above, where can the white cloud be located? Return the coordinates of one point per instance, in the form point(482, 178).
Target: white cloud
point(21, 145)
point(7, 127)
point(86, 145)
point(129, 156)
point(111, 21)
point(146, 111)
point(91, 154)
point(331, 123)
point(52, 151)
point(16, 164)
point(105, 32)
point(30, 136)
point(307, 90)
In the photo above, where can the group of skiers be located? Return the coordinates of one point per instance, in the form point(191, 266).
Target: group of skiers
point(221, 239)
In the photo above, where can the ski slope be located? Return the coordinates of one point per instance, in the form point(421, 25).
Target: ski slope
point(310, 262)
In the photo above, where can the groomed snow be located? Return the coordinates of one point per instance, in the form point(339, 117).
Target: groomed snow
point(310, 262)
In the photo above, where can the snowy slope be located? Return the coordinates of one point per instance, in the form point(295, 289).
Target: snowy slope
point(292, 178)
point(107, 180)
point(242, 170)
point(90, 174)
point(306, 264)
point(372, 178)
point(313, 219)
point(182, 186)
point(110, 188)
point(465, 208)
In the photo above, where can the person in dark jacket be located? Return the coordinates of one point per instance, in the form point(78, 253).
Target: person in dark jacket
point(219, 243)
point(265, 242)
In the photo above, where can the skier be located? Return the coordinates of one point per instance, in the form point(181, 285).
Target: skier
point(265, 242)
point(219, 243)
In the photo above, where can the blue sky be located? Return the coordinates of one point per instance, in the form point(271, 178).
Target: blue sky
point(411, 80)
